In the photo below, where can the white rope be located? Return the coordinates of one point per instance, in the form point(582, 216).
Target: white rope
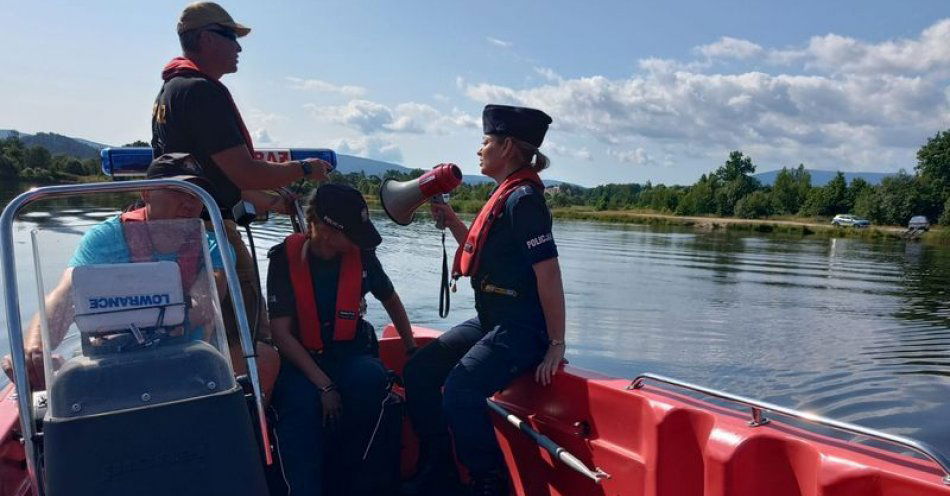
point(379, 420)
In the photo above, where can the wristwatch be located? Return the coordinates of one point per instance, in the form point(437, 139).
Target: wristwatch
point(305, 167)
point(555, 342)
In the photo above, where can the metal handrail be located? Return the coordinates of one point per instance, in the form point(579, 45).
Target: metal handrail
point(758, 419)
point(557, 452)
point(12, 301)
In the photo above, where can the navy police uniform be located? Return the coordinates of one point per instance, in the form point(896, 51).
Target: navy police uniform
point(483, 355)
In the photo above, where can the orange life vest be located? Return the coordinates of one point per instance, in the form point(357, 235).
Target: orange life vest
point(140, 246)
point(467, 255)
point(349, 291)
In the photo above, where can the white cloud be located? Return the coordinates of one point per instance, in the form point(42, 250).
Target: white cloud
point(325, 87)
point(548, 74)
point(362, 115)
point(564, 151)
point(261, 137)
point(851, 105)
point(257, 117)
point(730, 48)
point(497, 42)
point(407, 118)
point(412, 117)
point(930, 53)
point(369, 147)
point(638, 156)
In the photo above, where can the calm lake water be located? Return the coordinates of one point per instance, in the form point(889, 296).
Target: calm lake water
point(854, 330)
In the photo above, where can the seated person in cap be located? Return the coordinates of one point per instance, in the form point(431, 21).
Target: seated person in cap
point(128, 238)
point(510, 255)
point(331, 383)
point(268, 360)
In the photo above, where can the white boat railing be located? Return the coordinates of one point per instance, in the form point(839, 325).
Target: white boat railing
point(758, 419)
point(12, 301)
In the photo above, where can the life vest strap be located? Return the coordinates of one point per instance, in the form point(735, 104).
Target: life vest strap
point(135, 231)
point(349, 293)
point(467, 256)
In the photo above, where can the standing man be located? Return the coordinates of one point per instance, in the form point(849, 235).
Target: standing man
point(195, 113)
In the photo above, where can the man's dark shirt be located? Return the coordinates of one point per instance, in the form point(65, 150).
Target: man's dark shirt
point(193, 115)
point(517, 240)
point(281, 301)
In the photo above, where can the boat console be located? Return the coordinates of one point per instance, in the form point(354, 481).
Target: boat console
point(141, 396)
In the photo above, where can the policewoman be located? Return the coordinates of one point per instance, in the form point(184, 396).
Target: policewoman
point(331, 385)
point(510, 256)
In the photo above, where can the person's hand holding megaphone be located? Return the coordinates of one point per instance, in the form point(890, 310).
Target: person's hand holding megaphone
point(445, 217)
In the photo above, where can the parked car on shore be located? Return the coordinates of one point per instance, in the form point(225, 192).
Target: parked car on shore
point(845, 220)
point(919, 222)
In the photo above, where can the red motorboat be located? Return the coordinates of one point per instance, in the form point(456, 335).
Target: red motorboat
point(644, 440)
point(586, 434)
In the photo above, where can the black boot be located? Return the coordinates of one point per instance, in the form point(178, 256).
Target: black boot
point(436, 473)
point(493, 483)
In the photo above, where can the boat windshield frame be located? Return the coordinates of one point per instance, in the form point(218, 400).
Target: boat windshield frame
point(12, 301)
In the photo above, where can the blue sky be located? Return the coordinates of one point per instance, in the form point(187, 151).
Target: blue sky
point(639, 91)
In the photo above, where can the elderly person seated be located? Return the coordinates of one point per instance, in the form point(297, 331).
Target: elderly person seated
point(135, 236)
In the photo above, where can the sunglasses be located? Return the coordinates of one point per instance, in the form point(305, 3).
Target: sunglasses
point(231, 35)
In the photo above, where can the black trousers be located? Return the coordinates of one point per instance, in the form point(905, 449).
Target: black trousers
point(472, 364)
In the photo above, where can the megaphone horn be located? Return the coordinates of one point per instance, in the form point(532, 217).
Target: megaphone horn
point(400, 199)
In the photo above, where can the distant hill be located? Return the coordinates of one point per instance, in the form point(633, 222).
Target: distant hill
point(57, 144)
point(822, 177)
point(349, 163)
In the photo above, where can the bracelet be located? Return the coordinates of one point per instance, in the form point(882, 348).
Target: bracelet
point(555, 342)
point(328, 388)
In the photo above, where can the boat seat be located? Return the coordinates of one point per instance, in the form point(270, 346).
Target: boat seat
point(87, 386)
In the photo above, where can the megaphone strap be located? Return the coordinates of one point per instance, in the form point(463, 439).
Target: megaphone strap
point(444, 294)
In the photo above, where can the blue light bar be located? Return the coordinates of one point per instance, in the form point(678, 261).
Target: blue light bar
point(131, 162)
point(125, 162)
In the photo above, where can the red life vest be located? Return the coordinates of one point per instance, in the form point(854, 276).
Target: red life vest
point(467, 255)
point(348, 294)
point(140, 246)
point(182, 66)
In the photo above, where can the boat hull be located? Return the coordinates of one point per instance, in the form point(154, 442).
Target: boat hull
point(651, 441)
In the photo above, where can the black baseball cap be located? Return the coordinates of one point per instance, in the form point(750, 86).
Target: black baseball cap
point(343, 207)
point(179, 166)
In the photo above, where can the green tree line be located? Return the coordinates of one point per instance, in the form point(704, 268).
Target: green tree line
point(731, 191)
point(36, 163)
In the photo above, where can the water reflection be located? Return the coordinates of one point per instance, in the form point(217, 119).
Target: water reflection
point(847, 328)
